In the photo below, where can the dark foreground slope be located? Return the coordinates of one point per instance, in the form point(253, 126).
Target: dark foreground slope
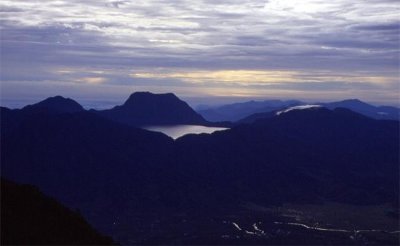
point(145, 188)
point(79, 157)
point(28, 217)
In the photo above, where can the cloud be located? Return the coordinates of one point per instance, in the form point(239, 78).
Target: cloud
point(92, 80)
point(118, 4)
point(395, 26)
point(208, 44)
point(245, 77)
point(8, 9)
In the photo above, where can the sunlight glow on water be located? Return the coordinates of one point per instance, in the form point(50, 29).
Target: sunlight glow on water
point(177, 131)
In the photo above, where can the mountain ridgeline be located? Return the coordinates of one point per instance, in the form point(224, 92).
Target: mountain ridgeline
point(376, 112)
point(237, 111)
point(123, 178)
point(57, 104)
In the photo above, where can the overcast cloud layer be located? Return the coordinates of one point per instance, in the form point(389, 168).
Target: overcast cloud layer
point(303, 49)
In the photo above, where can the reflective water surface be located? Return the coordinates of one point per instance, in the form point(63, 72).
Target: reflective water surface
point(177, 131)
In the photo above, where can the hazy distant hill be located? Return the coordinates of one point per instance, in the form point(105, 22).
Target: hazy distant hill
point(28, 217)
point(380, 112)
point(237, 111)
point(145, 108)
point(253, 117)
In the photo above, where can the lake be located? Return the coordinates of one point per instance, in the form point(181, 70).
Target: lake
point(177, 131)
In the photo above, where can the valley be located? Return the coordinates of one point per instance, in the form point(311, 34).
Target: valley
point(308, 175)
point(253, 224)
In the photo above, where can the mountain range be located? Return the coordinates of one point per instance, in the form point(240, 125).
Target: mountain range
point(248, 111)
point(376, 112)
point(143, 187)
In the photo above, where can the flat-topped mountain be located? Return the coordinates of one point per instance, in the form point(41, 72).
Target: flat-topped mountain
point(145, 108)
point(56, 104)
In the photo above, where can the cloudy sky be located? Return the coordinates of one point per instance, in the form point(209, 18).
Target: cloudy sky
point(104, 50)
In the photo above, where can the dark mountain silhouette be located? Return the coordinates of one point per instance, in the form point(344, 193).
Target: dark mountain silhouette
point(236, 111)
point(381, 112)
point(56, 104)
point(82, 151)
point(114, 172)
point(303, 155)
point(145, 108)
point(28, 217)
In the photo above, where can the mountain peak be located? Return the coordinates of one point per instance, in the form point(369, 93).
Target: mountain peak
point(58, 104)
point(353, 101)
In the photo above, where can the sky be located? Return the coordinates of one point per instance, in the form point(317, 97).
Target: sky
point(203, 51)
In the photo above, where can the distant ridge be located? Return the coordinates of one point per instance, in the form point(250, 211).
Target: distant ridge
point(356, 105)
point(145, 108)
point(57, 104)
point(236, 111)
point(380, 112)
